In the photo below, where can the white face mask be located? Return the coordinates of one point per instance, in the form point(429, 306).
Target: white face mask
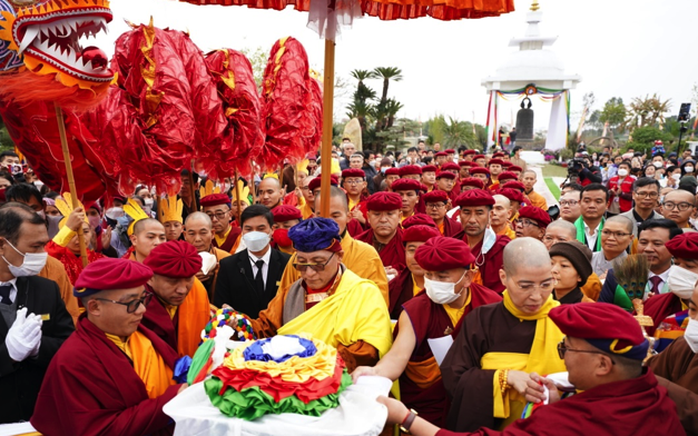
point(688, 169)
point(442, 292)
point(256, 241)
point(32, 265)
point(682, 282)
point(676, 176)
point(623, 172)
point(691, 335)
point(657, 164)
point(149, 202)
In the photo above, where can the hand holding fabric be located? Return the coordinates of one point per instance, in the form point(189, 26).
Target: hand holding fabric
point(24, 336)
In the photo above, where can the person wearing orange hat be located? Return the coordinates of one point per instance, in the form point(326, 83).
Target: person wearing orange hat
point(487, 247)
point(385, 233)
point(532, 222)
point(603, 352)
point(409, 191)
point(410, 282)
point(328, 301)
point(437, 203)
point(113, 375)
point(217, 207)
point(499, 216)
point(435, 315)
point(285, 217)
point(429, 176)
point(180, 309)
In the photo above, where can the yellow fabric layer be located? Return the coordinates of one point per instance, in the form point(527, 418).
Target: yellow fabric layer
point(456, 314)
point(221, 240)
point(415, 288)
point(122, 345)
point(355, 312)
point(150, 366)
point(294, 370)
point(307, 211)
point(352, 203)
point(425, 373)
point(194, 314)
point(542, 359)
point(64, 236)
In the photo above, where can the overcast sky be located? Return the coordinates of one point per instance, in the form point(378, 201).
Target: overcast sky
point(624, 48)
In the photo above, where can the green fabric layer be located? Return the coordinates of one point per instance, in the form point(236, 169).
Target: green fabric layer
point(253, 403)
point(199, 361)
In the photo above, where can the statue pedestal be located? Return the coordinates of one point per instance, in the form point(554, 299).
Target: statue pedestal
point(526, 144)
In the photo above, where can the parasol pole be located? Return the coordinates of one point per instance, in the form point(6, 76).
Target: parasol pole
point(71, 178)
point(192, 189)
point(326, 151)
point(237, 197)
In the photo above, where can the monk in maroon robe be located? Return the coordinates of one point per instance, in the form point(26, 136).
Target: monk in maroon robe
point(217, 207)
point(437, 204)
point(385, 234)
point(486, 246)
point(112, 376)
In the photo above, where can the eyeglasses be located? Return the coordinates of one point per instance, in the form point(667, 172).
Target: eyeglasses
point(683, 206)
point(545, 286)
point(435, 205)
point(568, 202)
point(616, 235)
point(352, 181)
point(131, 306)
point(525, 222)
point(647, 194)
point(317, 267)
point(562, 349)
point(220, 216)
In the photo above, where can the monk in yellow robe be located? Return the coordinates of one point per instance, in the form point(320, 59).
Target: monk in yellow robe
point(329, 301)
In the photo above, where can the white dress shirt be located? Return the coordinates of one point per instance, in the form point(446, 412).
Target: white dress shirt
point(13, 292)
point(265, 267)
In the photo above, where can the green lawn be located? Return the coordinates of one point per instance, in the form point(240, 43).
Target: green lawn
point(554, 189)
point(554, 171)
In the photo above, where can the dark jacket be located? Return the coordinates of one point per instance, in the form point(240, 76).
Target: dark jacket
point(235, 286)
point(20, 381)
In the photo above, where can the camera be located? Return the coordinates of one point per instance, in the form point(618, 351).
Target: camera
point(575, 166)
point(15, 169)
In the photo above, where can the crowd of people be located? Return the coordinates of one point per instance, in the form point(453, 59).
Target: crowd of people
point(507, 315)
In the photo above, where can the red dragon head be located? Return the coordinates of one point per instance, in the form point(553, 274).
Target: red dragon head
point(41, 57)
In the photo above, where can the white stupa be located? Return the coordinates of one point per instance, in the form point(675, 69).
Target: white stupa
point(534, 63)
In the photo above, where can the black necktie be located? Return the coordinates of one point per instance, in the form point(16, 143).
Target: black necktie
point(258, 280)
point(5, 294)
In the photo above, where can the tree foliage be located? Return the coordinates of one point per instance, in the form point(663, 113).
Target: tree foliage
point(647, 111)
point(613, 113)
point(643, 138)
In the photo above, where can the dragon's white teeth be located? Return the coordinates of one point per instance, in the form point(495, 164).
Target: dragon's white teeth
point(29, 37)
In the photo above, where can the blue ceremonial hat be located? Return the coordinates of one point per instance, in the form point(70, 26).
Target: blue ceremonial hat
point(315, 234)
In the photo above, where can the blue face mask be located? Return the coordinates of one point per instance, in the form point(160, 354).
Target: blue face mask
point(123, 221)
point(383, 170)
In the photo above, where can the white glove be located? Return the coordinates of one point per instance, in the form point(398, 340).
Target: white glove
point(23, 336)
point(36, 338)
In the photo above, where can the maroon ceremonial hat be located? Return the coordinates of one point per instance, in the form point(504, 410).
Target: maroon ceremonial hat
point(475, 197)
point(495, 161)
point(511, 194)
point(450, 151)
point(514, 184)
point(409, 170)
point(107, 274)
point(472, 181)
point(392, 172)
point(684, 246)
point(353, 172)
point(445, 175)
point(536, 214)
point(498, 154)
point(419, 233)
point(605, 326)
point(384, 201)
point(465, 163)
point(442, 254)
point(93, 205)
point(214, 200)
point(175, 259)
point(506, 164)
point(515, 168)
point(441, 153)
point(450, 166)
point(467, 152)
point(315, 183)
point(435, 196)
point(479, 170)
point(506, 175)
point(429, 168)
point(284, 212)
point(479, 156)
point(311, 156)
point(406, 185)
point(418, 219)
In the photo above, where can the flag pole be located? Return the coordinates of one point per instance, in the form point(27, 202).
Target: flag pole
point(326, 151)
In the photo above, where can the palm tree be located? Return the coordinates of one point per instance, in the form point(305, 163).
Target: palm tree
point(648, 111)
point(387, 74)
point(392, 107)
point(362, 75)
point(361, 111)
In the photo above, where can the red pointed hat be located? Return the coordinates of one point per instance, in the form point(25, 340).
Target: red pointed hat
point(392, 172)
point(409, 170)
point(605, 326)
point(474, 198)
point(214, 200)
point(472, 181)
point(445, 175)
point(443, 254)
point(418, 219)
point(684, 246)
point(450, 166)
point(175, 259)
point(536, 214)
point(353, 172)
point(406, 185)
point(107, 274)
point(419, 233)
point(384, 201)
point(435, 196)
point(315, 183)
point(429, 168)
point(479, 170)
point(284, 212)
point(506, 175)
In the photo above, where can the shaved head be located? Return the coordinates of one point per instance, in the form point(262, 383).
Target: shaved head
point(335, 192)
point(142, 224)
point(270, 182)
point(500, 199)
point(198, 217)
point(565, 226)
point(625, 221)
point(526, 253)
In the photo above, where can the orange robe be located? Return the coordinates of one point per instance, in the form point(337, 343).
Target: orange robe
point(537, 200)
point(54, 270)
